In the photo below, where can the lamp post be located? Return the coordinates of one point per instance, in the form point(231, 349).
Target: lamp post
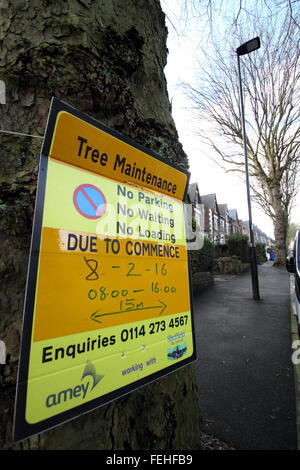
point(246, 48)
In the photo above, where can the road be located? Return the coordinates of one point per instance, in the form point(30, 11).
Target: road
point(244, 369)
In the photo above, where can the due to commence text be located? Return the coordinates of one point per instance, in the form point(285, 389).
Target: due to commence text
point(120, 164)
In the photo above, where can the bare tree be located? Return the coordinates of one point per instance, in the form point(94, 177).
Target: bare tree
point(271, 88)
point(208, 11)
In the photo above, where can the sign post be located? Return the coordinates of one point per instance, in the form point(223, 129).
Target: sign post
point(108, 299)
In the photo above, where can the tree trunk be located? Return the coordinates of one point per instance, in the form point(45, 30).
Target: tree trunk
point(280, 228)
point(105, 58)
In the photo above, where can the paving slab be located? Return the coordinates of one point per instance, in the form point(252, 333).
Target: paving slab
point(244, 370)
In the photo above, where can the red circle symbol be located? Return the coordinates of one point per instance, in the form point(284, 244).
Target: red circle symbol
point(89, 201)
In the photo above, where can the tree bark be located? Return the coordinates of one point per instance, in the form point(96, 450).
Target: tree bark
point(105, 58)
point(280, 227)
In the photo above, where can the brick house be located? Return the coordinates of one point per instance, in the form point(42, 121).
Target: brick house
point(235, 222)
point(245, 229)
point(225, 223)
point(211, 217)
point(195, 200)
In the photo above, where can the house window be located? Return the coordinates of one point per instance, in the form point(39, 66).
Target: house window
point(198, 216)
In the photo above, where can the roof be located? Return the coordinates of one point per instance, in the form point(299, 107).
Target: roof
point(192, 191)
point(209, 200)
point(223, 209)
point(233, 214)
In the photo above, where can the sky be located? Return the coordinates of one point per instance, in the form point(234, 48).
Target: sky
point(230, 189)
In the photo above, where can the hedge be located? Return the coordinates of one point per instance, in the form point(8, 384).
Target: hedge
point(238, 245)
point(261, 253)
point(203, 260)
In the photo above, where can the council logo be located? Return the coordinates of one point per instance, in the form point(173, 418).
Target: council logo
point(89, 201)
point(177, 352)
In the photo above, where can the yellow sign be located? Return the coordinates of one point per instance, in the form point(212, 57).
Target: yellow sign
point(108, 304)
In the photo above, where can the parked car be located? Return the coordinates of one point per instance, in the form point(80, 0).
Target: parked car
point(293, 266)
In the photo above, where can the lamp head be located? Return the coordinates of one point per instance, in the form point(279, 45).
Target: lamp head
point(248, 46)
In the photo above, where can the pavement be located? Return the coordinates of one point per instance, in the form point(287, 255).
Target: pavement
point(244, 370)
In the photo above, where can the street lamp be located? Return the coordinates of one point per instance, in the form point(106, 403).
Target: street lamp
point(246, 48)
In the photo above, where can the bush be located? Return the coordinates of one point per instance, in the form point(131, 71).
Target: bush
point(220, 250)
point(204, 260)
point(261, 253)
point(207, 256)
point(229, 265)
point(238, 246)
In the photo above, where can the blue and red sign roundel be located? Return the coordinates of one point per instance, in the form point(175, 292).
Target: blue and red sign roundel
point(89, 201)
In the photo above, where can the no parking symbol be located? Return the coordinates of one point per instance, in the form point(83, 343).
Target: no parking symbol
point(89, 201)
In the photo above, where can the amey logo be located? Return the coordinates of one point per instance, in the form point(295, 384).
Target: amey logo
point(79, 390)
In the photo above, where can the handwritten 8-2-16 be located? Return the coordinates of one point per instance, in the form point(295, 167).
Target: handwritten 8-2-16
point(126, 296)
